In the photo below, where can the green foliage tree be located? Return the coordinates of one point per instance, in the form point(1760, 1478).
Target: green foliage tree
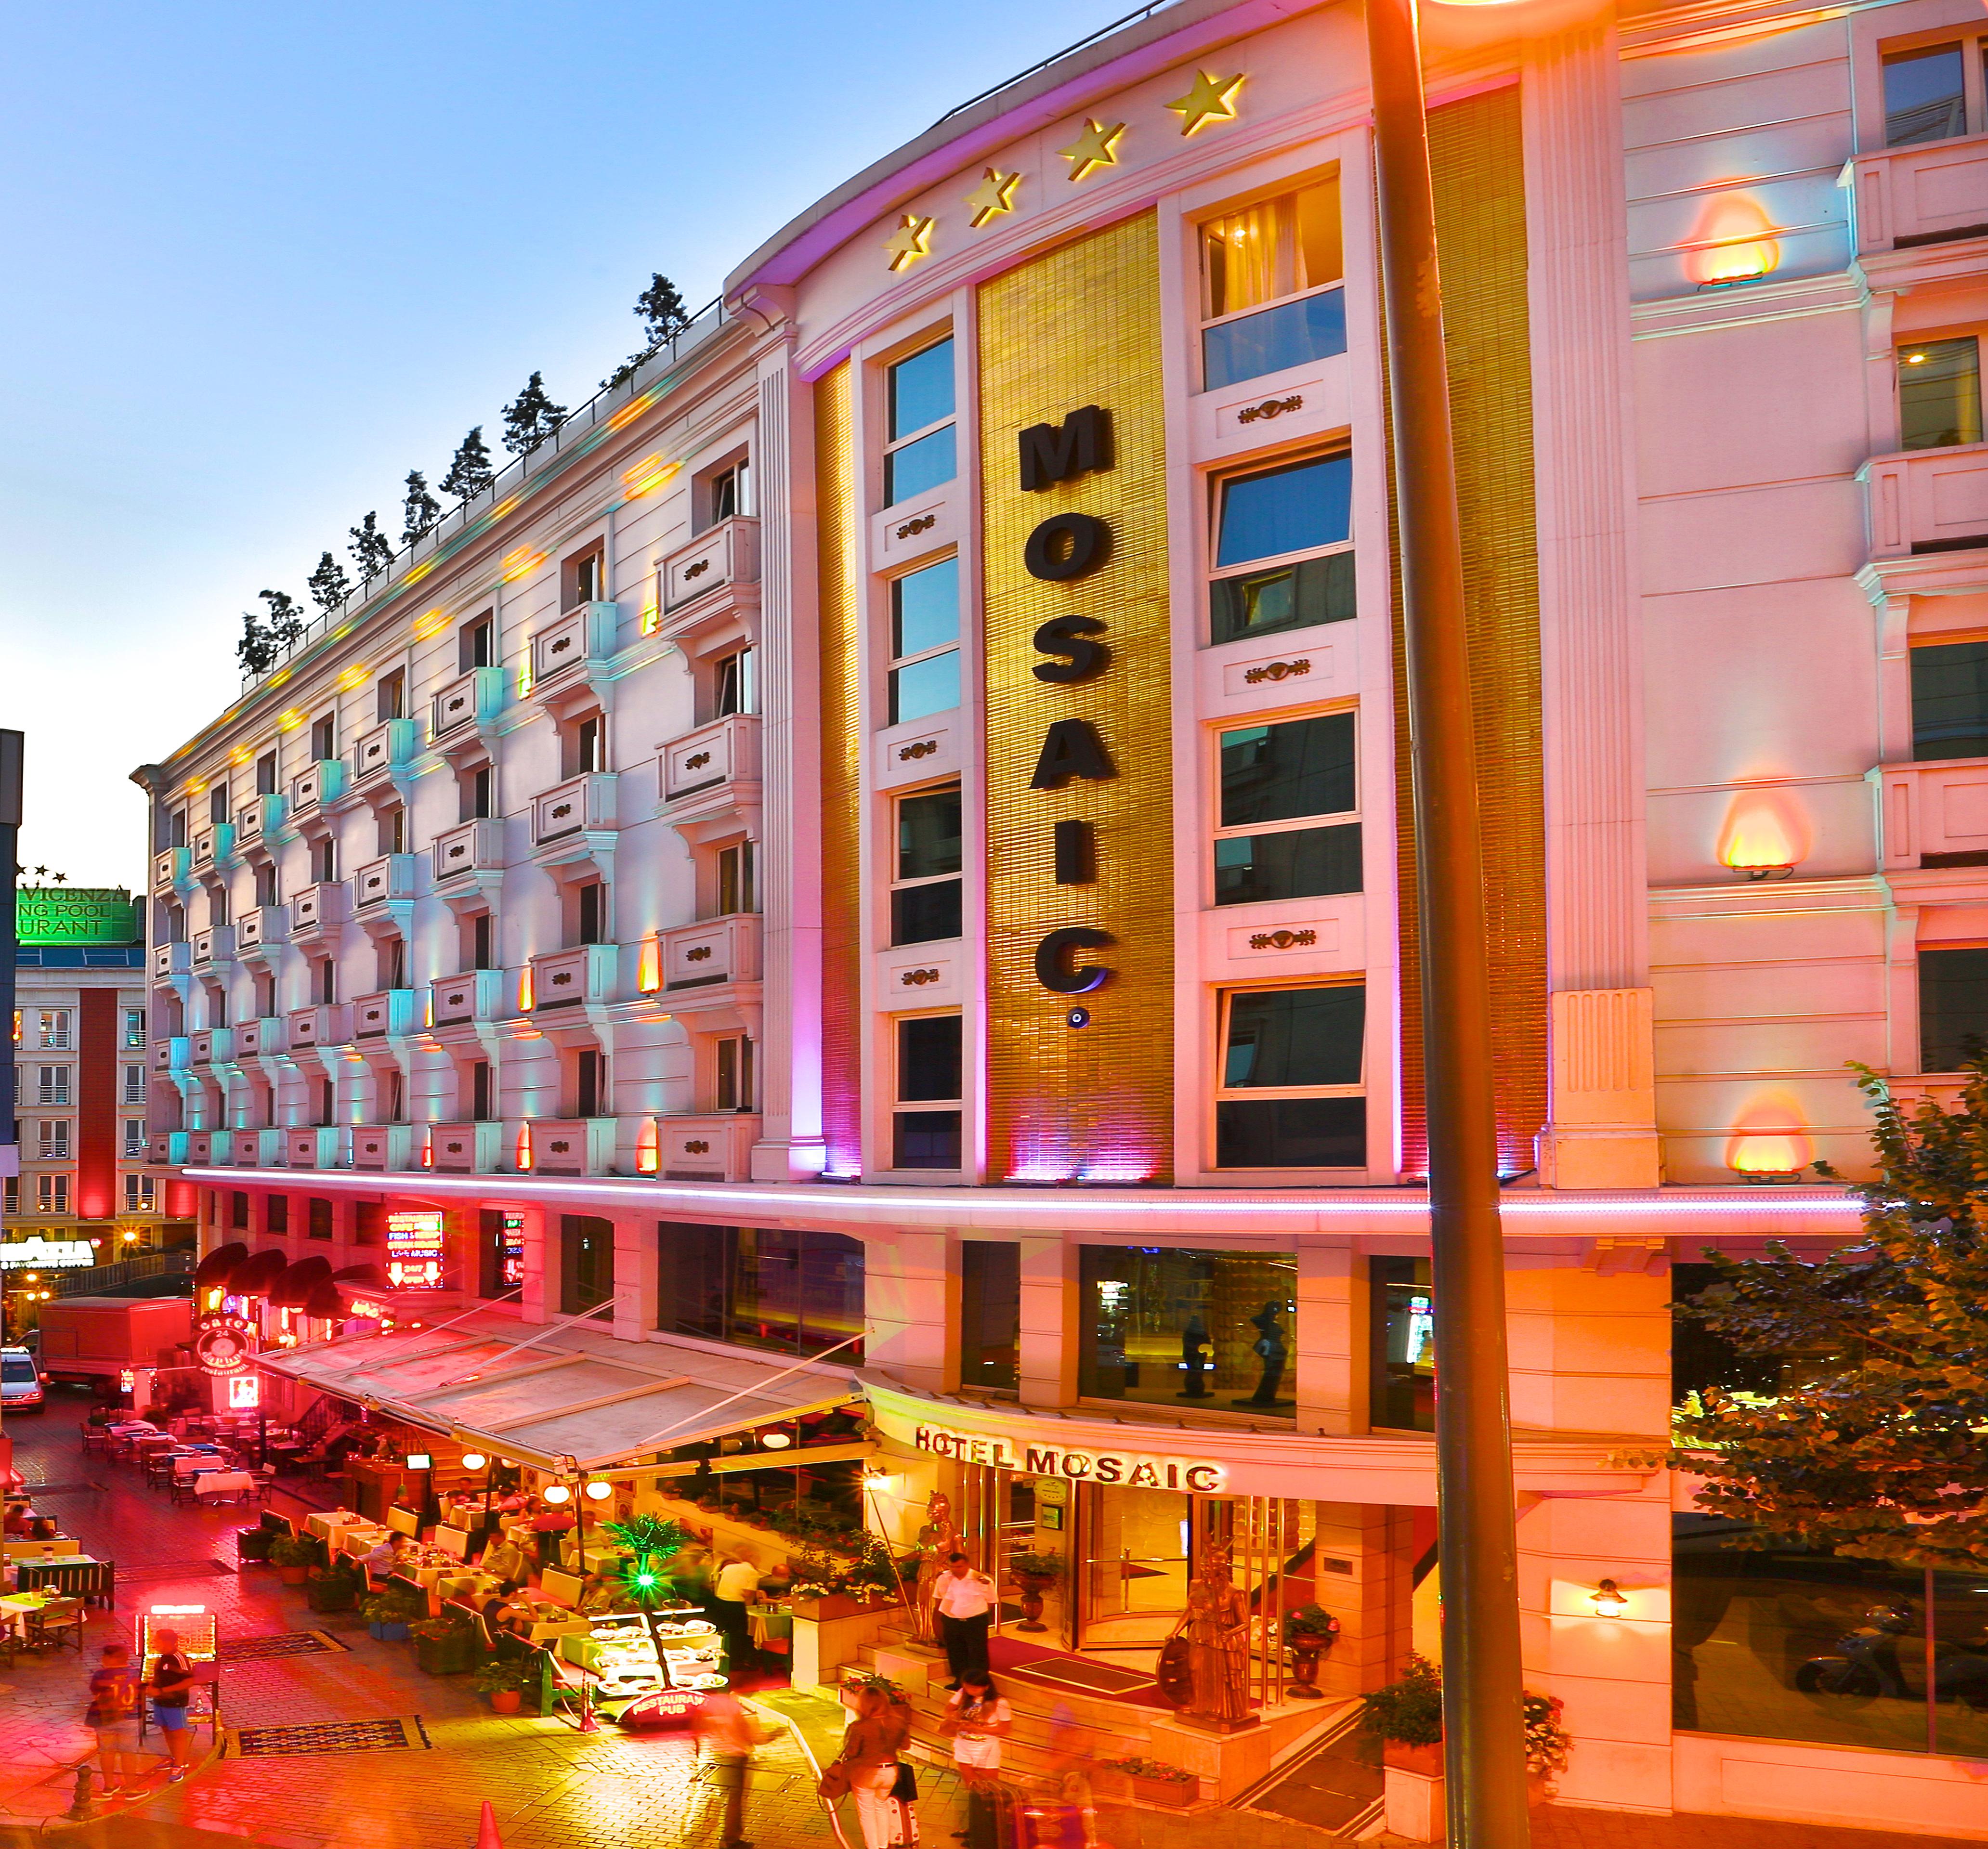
point(286, 620)
point(1875, 1442)
point(328, 584)
point(371, 549)
point(254, 649)
point(419, 510)
point(469, 472)
point(531, 418)
point(660, 308)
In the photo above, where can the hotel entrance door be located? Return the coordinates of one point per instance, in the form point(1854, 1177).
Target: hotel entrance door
point(1135, 1546)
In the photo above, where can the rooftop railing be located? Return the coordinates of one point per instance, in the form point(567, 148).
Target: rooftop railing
point(1103, 32)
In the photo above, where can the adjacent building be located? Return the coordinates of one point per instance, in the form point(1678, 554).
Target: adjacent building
point(887, 844)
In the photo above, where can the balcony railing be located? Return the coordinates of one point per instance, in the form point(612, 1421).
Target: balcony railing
point(390, 877)
point(573, 1146)
point(1927, 501)
point(721, 755)
point(261, 929)
point(317, 909)
point(1933, 814)
point(260, 817)
point(1930, 192)
point(390, 1011)
point(395, 1146)
point(719, 951)
point(323, 783)
point(472, 699)
point(170, 866)
point(268, 1035)
point(728, 555)
point(213, 845)
point(587, 633)
point(585, 972)
point(714, 1148)
point(171, 960)
point(470, 847)
point(388, 747)
point(215, 944)
point(328, 1024)
point(258, 1149)
point(174, 1054)
point(320, 1146)
point(169, 1147)
point(210, 1044)
point(206, 1146)
point(467, 1148)
point(580, 802)
point(479, 995)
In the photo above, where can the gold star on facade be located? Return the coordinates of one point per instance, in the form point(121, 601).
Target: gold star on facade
point(993, 196)
point(1093, 148)
point(910, 241)
point(1207, 102)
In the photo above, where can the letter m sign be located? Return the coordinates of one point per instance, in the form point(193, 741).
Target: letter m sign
point(1054, 452)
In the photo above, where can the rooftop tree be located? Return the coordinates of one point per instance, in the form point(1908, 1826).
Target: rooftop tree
point(660, 309)
point(1874, 1443)
point(531, 418)
point(256, 649)
point(371, 548)
point(285, 619)
point(419, 510)
point(470, 472)
point(329, 587)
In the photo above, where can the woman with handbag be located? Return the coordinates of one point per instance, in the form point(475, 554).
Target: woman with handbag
point(867, 1768)
point(978, 1718)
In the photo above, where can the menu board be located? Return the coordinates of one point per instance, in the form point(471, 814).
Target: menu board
point(415, 1249)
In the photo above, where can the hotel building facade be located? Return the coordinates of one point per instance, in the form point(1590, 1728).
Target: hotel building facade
point(888, 844)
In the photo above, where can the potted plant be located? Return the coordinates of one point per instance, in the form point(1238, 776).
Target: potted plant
point(1408, 1715)
point(1547, 1744)
point(504, 1680)
point(337, 1588)
point(447, 1645)
point(293, 1556)
point(1310, 1631)
point(1035, 1573)
point(388, 1614)
point(1155, 1782)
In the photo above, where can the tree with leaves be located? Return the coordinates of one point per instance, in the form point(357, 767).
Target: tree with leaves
point(286, 620)
point(470, 473)
point(419, 510)
point(254, 649)
point(371, 549)
point(1874, 1443)
point(531, 418)
point(660, 309)
point(329, 587)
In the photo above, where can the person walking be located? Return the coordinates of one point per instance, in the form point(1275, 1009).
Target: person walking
point(965, 1600)
point(172, 1689)
point(729, 1732)
point(978, 1718)
point(114, 1714)
point(868, 1768)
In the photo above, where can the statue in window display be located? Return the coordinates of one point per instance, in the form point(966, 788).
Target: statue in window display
point(937, 1542)
point(1193, 1359)
point(1216, 1628)
point(1270, 1349)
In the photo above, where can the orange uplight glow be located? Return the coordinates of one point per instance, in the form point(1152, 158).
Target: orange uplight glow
point(630, 411)
point(421, 571)
point(649, 966)
point(430, 623)
point(648, 1149)
point(354, 676)
point(647, 475)
point(525, 991)
point(652, 615)
point(290, 721)
point(239, 755)
point(521, 563)
point(1769, 1155)
point(1735, 243)
point(524, 1153)
point(1761, 840)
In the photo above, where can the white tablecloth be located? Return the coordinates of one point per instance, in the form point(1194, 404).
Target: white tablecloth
point(223, 1483)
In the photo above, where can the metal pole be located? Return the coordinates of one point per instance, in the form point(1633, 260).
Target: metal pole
point(1483, 1719)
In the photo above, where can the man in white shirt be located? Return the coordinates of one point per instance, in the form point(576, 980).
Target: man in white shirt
point(384, 1557)
point(965, 1603)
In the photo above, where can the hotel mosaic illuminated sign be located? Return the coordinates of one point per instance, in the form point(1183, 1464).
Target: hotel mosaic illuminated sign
point(1134, 1469)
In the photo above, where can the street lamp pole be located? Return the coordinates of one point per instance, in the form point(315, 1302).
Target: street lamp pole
point(1483, 1717)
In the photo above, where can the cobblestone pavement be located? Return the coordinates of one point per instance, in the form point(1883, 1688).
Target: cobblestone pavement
point(551, 1787)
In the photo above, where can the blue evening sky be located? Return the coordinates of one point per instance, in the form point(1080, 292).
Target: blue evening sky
point(262, 261)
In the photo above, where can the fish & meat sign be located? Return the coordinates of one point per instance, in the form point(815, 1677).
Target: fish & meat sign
point(1136, 1470)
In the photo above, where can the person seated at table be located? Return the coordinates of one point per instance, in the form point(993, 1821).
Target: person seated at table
point(515, 1613)
point(18, 1517)
point(42, 1528)
point(504, 1560)
point(603, 1592)
point(389, 1555)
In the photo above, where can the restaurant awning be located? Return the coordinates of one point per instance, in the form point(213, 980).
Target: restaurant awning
point(564, 1396)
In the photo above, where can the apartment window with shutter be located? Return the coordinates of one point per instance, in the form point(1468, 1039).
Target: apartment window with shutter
point(738, 879)
point(734, 1072)
point(476, 644)
point(324, 737)
point(390, 696)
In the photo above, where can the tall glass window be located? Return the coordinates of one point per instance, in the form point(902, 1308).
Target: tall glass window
point(1285, 251)
point(931, 1069)
point(1939, 393)
point(990, 1319)
point(586, 1264)
point(1402, 1355)
point(921, 451)
point(924, 641)
point(1282, 547)
point(1277, 782)
point(1953, 1007)
point(1924, 94)
point(1950, 700)
point(765, 1287)
point(1175, 1329)
point(1289, 1094)
point(925, 893)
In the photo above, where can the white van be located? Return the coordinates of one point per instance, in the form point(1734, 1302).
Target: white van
point(20, 1381)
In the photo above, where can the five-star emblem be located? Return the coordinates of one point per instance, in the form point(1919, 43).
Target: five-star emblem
point(1207, 102)
point(1093, 148)
point(993, 196)
point(911, 240)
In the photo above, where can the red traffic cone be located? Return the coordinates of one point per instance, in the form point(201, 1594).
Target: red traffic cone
point(486, 1831)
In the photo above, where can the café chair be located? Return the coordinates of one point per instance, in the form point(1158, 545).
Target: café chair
point(48, 1627)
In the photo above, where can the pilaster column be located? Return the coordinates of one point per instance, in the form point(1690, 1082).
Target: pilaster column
point(911, 1308)
point(1047, 1363)
point(634, 1276)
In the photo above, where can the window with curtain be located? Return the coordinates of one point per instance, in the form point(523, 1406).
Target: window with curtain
point(1270, 277)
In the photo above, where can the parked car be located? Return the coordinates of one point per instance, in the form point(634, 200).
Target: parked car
point(20, 1382)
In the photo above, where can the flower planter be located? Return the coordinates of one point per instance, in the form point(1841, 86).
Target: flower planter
point(333, 1592)
point(1414, 1791)
point(388, 1633)
point(1033, 1586)
point(838, 1605)
point(1168, 1794)
point(506, 1701)
point(293, 1576)
point(447, 1655)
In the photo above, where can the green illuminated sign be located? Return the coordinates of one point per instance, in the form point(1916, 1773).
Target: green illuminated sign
point(61, 914)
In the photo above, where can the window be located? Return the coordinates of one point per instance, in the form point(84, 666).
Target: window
point(925, 642)
point(327, 980)
point(324, 860)
point(1170, 1328)
point(10, 1194)
point(218, 810)
point(1276, 779)
point(266, 774)
point(733, 1073)
point(176, 828)
point(397, 1096)
point(52, 1139)
point(590, 1083)
point(476, 794)
point(52, 1194)
point(276, 1209)
point(738, 879)
point(925, 894)
point(1290, 1085)
point(1925, 95)
point(134, 1139)
point(762, 1286)
point(217, 905)
point(990, 1313)
point(929, 1072)
point(368, 1219)
point(584, 583)
point(918, 416)
point(1953, 1007)
point(390, 696)
point(135, 1085)
point(390, 962)
point(1939, 393)
point(586, 1264)
point(590, 913)
point(734, 684)
point(266, 889)
point(327, 1101)
point(476, 644)
point(52, 1085)
point(482, 1093)
point(324, 738)
point(501, 1245)
point(587, 746)
point(134, 1029)
point(1950, 700)
point(1284, 251)
point(1277, 514)
point(51, 1026)
point(483, 941)
point(141, 1194)
point(1401, 1351)
point(237, 1210)
point(264, 1002)
point(318, 1217)
point(392, 826)
point(730, 492)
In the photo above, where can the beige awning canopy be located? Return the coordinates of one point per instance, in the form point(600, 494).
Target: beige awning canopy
point(564, 1396)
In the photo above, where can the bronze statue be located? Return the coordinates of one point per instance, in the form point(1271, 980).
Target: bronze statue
point(938, 1541)
point(1215, 1627)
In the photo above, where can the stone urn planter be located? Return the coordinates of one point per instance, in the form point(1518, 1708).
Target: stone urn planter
point(1033, 1586)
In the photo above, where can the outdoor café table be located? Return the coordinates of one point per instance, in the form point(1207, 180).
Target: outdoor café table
point(218, 1483)
point(328, 1524)
point(764, 1622)
point(14, 1607)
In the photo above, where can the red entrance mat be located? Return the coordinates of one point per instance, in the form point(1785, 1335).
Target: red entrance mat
point(1074, 1675)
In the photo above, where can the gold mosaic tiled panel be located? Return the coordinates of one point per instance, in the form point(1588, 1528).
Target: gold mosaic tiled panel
point(841, 774)
point(1079, 325)
point(1476, 157)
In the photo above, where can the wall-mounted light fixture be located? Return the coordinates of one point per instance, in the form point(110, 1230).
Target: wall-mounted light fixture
point(1608, 1600)
point(1764, 1158)
point(558, 1492)
point(474, 1460)
point(1761, 840)
point(599, 1491)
